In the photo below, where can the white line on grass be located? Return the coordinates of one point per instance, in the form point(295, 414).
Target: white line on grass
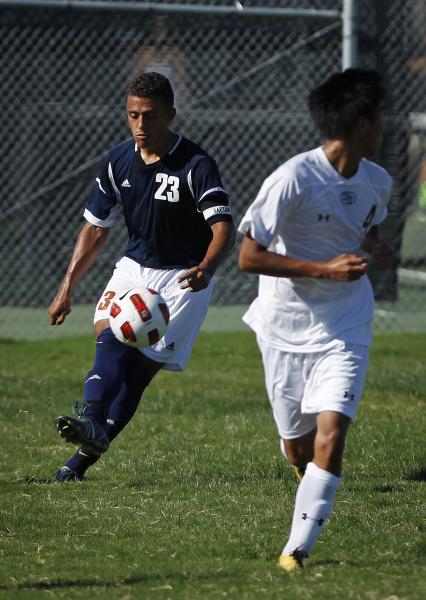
point(381, 312)
point(412, 274)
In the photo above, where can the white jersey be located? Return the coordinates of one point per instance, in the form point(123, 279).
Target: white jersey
point(307, 210)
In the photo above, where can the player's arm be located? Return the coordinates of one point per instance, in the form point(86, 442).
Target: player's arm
point(198, 278)
point(89, 244)
point(255, 258)
point(382, 254)
point(212, 201)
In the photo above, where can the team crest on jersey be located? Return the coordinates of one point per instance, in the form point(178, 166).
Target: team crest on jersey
point(347, 197)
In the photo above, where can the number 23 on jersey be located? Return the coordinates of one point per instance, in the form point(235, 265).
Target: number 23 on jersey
point(168, 188)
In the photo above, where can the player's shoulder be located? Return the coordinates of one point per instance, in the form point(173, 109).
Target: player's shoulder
point(299, 169)
point(193, 154)
point(376, 174)
point(123, 150)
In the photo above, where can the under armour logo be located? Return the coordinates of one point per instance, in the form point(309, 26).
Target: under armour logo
point(348, 395)
point(319, 522)
point(323, 217)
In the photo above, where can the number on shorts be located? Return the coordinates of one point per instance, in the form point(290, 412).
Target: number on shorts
point(108, 296)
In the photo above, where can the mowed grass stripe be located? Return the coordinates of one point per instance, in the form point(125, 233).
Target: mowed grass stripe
point(193, 500)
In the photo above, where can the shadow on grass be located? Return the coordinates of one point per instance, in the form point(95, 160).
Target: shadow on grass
point(333, 563)
point(387, 489)
point(252, 475)
point(274, 473)
point(128, 581)
point(418, 475)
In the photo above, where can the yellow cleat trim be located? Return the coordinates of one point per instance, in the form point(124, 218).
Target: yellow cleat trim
point(288, 563)
point(299, 473)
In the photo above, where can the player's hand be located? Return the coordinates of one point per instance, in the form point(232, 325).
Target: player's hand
point(59, 309)
point(345, 267)
point(384, 257)
point(196, 279)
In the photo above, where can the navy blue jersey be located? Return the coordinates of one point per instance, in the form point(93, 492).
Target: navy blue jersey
point(168, 206)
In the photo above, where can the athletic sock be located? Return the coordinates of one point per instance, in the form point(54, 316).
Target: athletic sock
point(314, 503)
point(81, 461)
point(105, 380)
point(124, 406)
point(120, 412)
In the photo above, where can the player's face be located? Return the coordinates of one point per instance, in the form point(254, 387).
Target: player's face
point(149, 120)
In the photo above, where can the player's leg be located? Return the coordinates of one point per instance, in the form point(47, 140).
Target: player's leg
point(285, 375)
point(299, 451)
point(187, 312)
point(337, 378)
point(139, 374)
point(104, 381)
point(317, 490)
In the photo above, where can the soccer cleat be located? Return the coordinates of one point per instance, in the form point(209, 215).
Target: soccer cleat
point(83, 431)
point(292, 562)
point(66, 474)
point(299, 472)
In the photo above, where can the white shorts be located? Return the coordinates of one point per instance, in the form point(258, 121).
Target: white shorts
point(302, 385)
point(187, 309)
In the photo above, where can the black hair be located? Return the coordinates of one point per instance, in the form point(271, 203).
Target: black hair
point(336, 104)
point(152, 85)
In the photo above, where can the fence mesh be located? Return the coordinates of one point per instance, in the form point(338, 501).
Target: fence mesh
point(241, 87)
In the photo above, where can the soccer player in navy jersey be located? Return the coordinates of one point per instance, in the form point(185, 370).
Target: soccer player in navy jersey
point(180, 228)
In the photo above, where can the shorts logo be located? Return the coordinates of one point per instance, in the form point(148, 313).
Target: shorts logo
point(349, 396)
point(347, 197)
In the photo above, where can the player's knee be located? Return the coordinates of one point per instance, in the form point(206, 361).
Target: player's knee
point(329, 444)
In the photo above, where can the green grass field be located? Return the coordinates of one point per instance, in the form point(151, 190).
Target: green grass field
point(193, 500)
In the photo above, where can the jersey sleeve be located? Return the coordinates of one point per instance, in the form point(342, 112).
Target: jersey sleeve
point(264, 219)
point(103, 206)
point(208, 191)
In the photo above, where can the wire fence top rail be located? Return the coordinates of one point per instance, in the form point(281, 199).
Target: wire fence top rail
point(235, 9)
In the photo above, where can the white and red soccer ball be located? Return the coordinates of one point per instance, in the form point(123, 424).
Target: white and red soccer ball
point(139, 317)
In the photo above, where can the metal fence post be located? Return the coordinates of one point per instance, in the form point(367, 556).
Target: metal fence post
point(349, 34)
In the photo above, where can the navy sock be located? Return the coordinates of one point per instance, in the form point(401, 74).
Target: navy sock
point(125, 404)
point(120, 412)
point(81, 461)
point(105, 380)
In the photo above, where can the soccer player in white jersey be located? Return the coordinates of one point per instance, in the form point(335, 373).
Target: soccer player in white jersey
point(306, 234)
point(180, 228)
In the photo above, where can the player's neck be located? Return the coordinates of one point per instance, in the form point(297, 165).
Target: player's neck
point(342, 157)
point(161, 148)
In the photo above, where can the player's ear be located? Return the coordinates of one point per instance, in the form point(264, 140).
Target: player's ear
point(171, 113)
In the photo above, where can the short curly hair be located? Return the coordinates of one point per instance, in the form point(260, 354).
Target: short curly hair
point(152, 85)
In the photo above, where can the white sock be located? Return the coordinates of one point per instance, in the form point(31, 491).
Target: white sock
point(314, 503)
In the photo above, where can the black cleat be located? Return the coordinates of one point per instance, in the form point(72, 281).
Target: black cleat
point(66, 474)
point(83, 431)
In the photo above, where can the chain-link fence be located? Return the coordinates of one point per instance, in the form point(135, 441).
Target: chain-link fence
point(241, 85)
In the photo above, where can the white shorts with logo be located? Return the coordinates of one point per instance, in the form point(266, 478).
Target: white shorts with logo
point(301, 385)
point(187, 309)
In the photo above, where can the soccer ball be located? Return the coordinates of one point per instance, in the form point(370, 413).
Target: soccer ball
point(139, 317)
